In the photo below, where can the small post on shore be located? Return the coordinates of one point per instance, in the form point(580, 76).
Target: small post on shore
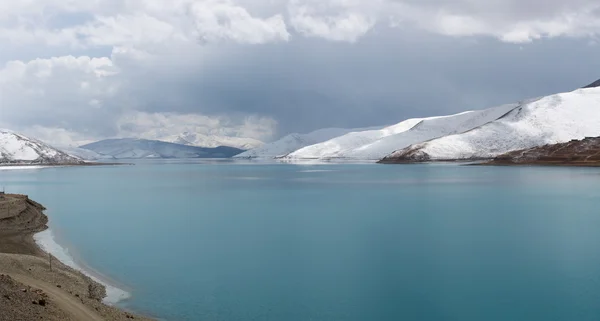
point(50, 260)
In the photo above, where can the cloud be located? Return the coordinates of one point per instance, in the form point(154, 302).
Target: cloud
point(140, 23)
point(53, 92)
point(337, 20)
point(80, 70)
point(72, 100)
point(159, 125)
point(58, 137)
point(218, 19)
point(513, 21)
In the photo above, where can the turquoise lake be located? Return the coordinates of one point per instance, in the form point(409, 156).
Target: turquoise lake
point(224, 240)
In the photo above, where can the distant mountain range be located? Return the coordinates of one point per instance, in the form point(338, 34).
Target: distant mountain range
point(201, 140)
point(84, 154)
point(19, 149)
point(471, 135)
point(131, 148)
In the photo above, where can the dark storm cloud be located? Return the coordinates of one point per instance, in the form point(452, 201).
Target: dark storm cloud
point(387, 77)
point(508, 10)
point(306, 64)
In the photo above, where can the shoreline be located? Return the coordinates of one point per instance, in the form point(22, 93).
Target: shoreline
point(46, 241)
point(43, 165)
point(540, 164)
point(69, 293)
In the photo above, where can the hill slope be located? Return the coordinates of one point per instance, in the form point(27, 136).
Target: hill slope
point(84, 154)
point(584, 152)
point(549, 120)
point(18, 149)
point(375, 144)
point(141, 148)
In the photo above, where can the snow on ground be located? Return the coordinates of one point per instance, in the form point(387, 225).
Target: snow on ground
point(18, 148)
point(549, 120)
point(338, 146)
point(293, 142)
point(373, 145)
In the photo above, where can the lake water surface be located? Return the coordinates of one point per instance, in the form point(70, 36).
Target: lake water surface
point(203, 240)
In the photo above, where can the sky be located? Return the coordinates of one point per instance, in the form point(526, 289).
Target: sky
point(74, 71)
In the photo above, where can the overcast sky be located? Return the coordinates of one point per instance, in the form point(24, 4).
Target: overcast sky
point(72, 71)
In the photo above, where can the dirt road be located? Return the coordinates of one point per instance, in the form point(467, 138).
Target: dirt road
point(65, 301)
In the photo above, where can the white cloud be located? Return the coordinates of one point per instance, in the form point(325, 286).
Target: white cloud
point(49, 81)
point(138, 23)
point(137, 29)
point(72, 100)
point(61, 92)
point(59, 137)
point(336, 20)
point(509, 21)
point(222, 20)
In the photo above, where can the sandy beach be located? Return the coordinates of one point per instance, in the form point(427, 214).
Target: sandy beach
point(31, 289)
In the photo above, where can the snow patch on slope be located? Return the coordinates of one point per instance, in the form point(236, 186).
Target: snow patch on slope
point(553, 119)
point(339, 146)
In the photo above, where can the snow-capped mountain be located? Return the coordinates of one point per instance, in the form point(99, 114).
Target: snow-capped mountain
point(201, 140)
point(293, 142)
point(375, 144)
point(141, 148)
point(18, 149)
point(549, 120)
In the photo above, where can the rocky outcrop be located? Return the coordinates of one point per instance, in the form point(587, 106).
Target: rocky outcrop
point(410, 155)
point(594, 84)
point(584, 152)
point(21, 302)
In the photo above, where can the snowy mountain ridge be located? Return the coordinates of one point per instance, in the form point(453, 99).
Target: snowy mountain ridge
point(18, 149)
point(376, 144)
point(552, 119)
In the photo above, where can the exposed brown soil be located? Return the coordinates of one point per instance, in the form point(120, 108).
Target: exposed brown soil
point(584, 152)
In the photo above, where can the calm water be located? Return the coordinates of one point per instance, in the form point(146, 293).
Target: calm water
point(226, 241)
